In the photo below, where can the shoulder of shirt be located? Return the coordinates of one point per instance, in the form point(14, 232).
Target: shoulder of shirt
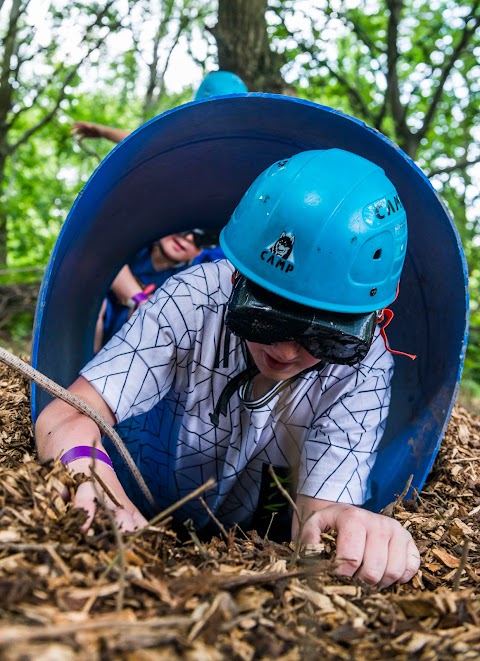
point(207, 284)
point(219, 270)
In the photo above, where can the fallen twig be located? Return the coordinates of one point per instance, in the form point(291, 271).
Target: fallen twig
point(301, 520)
point(461, 566)
point(391, 507)
point(214, 518)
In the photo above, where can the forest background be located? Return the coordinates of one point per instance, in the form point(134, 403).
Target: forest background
point(409, 68)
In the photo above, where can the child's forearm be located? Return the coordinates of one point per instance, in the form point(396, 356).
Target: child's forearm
point(82, 130)
point(125, 284)
point(60, 427)
point(113, 134)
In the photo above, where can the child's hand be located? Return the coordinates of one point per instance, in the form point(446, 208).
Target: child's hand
point(372, 547)
point(89, 494)
point(57, 429)
point(82, 130)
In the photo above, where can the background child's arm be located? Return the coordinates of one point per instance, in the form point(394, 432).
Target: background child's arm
point(125, 285)
point(81, 130)
point(129, 291)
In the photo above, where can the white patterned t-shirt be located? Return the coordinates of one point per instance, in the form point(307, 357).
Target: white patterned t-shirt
point(173, 359)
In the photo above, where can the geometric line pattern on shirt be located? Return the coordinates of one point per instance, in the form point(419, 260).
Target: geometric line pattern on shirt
point(167, 368)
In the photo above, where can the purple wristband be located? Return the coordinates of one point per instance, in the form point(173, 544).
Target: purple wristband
point(85, 451)
point(139, 298)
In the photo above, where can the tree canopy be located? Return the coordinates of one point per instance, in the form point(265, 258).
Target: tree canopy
point(409, 68)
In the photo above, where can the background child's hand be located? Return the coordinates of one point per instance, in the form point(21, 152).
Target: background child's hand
point(81, 130)
point(372, 547)
point(140, 301)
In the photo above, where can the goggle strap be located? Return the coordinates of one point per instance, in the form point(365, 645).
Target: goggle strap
point(233, 385)
point(385, 318)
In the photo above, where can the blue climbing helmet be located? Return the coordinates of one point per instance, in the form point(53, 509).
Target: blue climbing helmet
point(319, 241)
point(219, 83)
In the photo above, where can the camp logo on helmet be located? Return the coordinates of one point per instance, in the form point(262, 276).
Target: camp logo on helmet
point(386, 207)
point(281, 253)
point(391, 207)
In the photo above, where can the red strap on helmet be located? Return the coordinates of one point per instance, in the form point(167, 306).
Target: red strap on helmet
point(386, 317)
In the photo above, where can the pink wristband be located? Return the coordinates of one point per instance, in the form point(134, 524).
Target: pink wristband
point(85, 451)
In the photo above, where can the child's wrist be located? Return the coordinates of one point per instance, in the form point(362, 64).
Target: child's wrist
point(140, 297)
point(136, 300)
point(91, 469)
point(85, 455)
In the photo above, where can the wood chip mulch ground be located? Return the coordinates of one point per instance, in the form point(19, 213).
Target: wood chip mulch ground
point(68, 595)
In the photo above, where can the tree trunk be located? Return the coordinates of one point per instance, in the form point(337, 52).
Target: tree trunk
point(7, 72)
point(3, 211)
point(244, 47)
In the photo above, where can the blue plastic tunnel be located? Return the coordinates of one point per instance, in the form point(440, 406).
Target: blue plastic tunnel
point(190, 167)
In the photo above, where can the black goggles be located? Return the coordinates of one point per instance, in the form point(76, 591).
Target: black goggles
point(204, 237)
point(257, 315)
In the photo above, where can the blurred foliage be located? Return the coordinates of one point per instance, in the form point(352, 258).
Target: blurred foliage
point(418, 82)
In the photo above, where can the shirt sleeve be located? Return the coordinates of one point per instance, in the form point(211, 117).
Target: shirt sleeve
point(339, 454)
point(138, 366)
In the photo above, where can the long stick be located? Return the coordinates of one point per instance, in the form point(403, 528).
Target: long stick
point(57, 391)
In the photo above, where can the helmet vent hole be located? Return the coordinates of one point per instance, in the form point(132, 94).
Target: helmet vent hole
point(377, 254)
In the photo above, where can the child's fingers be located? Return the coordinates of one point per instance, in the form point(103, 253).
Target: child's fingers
point(85, 500)
point(374, 548)
point(376, 558)
point(352, 535)
point(403, 556)
point(311, 533)
point(351, 540)
point(413, 562)
point(129, 520)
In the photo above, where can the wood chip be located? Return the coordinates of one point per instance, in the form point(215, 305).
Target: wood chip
point(242, 598)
